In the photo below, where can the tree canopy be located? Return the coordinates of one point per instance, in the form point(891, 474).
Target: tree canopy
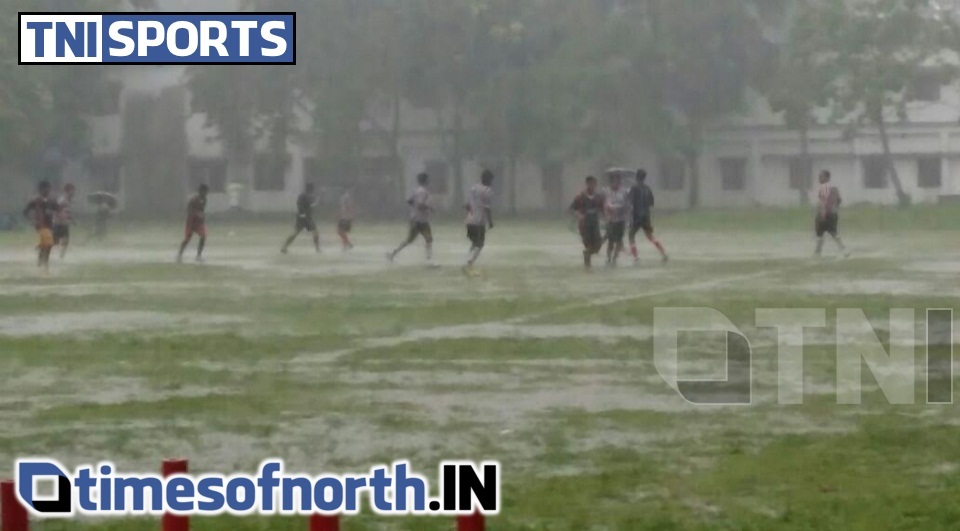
point(535, 81)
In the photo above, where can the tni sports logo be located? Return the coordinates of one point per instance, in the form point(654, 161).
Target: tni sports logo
point(162, 38)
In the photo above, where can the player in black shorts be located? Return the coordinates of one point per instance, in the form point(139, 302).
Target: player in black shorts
point(305, 204)
point(345, 220)
point(479, 217)
point(421, 208)
point(641, 198)
point(828, 214)
point(588, 208)
point(616, 205)
point(64, 219)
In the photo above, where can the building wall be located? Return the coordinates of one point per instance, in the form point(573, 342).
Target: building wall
point(768, 152)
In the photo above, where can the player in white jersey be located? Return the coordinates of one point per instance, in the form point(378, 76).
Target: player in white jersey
point(420, 212)
point(63, 219)
point(618, 210)
point(348, 211)
point(479, 217)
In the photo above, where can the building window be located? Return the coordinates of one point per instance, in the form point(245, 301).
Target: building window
point(552, 175)
point(801, 173)
point(95, 95)
point(209, 171)
point(107, 101)
point(673, 174)
point(439, 172)
point(875, 173)
point(270, 172)
point(321, 173)
point(734, 173)
point(925, 87)
point(380, 168)
point(105, 174)
point(929, 172)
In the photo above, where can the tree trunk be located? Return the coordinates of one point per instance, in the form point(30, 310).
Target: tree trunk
point(512, 185)
point(806, 163)
point(155, 152)
point(457, 159)
point(693, 162)
point(902, 197)
point(398, 178)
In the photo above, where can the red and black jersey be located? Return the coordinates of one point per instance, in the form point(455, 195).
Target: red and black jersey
point(43, 210)
point(195, 209)
point(589, 206)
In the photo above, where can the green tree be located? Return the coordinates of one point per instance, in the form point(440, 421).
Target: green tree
point(451, 54)
point(536, 104)
point(803, 81)
point(41, 106)
point(877, 49)
point(688, 65)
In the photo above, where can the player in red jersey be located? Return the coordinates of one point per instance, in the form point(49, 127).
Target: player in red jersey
point(41, 211)
point(828, 214)
point(196, 223)
point(588, 207)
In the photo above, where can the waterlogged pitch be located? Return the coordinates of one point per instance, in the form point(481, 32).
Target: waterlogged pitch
point(338, 362)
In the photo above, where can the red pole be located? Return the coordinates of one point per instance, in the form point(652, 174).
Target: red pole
point(474, 522)
point(319, 522)
point(171, 522)
point(14, 516)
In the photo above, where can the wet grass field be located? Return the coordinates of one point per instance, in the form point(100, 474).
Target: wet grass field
point(338, 362)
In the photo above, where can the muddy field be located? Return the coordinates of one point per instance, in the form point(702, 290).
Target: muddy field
point(339, 361)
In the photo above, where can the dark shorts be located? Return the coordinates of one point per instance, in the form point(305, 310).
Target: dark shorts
point(477, 235)
point(60, 233)
point(616, 231)
point(828, 225)
point(420, 228)
point(639, 224)
point(344, 225)
point(306, 224)
point(590, 234)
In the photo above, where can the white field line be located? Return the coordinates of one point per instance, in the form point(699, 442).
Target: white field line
point(516, 322)
point(609, 301)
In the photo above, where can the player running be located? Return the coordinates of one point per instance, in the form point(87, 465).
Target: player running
point(616, 206)
point(420, 211)
point(641, 198)
point(828, 214)
point(588, 207)
point(196, 223)
point(41, 210)
point(306, 202)
point(348, 212)
point(64, 219)
point(479, 217)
